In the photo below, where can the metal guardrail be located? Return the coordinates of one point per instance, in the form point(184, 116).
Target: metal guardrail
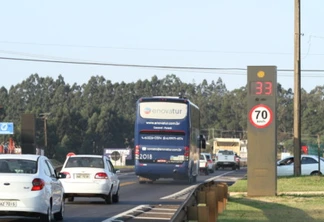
point(204, 203)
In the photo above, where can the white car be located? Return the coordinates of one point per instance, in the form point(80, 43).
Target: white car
point(206, 163)
point(309, 165)
point(30, 187)
point(90, 176)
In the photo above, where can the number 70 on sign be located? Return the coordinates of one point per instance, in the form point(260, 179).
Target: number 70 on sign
point(261, 116)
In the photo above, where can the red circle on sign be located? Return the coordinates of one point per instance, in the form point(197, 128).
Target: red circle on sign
point(254, 121)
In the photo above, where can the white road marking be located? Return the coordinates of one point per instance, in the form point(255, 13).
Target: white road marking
point(114, 218)
point(140, 207)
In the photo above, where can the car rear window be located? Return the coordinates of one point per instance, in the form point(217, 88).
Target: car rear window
point(85, 162)
point(226, 152)
point(18, 166)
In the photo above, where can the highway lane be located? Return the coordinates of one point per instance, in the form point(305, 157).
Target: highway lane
point(132, 195)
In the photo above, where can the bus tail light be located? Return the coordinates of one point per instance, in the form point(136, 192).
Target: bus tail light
point(137, 151)
point(186, 152)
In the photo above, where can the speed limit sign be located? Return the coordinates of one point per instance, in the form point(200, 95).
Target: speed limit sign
point(261, 116)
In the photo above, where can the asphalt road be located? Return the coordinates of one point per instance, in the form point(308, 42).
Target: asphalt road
point(132, 195)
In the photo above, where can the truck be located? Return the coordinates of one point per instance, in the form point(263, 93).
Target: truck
point(226, 159)
point(238, 146)
point(233, 144)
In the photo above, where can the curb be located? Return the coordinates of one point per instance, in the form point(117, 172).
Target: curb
point(301, 193)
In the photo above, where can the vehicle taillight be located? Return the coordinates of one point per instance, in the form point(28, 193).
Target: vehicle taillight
point(67, 175)
point(136, 152)
point(101, 175)
point(38, 184)
point(186, 152)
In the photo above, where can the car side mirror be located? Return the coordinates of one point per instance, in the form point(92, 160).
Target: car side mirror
point(61, 176)
point(201, 142)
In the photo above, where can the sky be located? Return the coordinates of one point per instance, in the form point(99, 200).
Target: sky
point(228, 35)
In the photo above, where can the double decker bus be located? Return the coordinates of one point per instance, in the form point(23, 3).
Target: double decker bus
point(167, 139)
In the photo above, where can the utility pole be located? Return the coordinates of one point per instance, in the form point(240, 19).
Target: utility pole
point(44, 116)
point(319, 152)
point(297, 92)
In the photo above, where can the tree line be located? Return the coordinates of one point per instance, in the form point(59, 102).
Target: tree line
point(100, 114)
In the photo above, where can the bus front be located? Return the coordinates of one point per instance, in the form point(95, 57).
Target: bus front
point(162, 139)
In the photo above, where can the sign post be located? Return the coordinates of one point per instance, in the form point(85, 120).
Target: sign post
point(262, 130)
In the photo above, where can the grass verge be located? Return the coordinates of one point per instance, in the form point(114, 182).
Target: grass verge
point(298, 199)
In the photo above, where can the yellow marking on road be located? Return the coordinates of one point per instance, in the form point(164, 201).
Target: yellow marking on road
point(127, 183)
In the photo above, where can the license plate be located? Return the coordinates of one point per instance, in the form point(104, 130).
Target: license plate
point(82, 176)
point(7, 203)
point(226, 162)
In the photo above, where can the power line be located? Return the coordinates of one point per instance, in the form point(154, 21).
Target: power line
point(147, 66)
point(160, 49)
point(116, 64)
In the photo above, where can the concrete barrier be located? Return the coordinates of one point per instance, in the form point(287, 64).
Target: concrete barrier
point(204, 204)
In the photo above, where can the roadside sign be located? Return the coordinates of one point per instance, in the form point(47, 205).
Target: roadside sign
point(262, 130)
point(115, 155)
point(6, 128)
point(261, 116)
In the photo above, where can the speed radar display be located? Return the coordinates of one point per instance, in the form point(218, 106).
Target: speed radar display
point(262, 133)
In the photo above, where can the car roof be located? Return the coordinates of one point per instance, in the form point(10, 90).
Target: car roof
point(20, 156)
point(86, 155)
point(303, 155)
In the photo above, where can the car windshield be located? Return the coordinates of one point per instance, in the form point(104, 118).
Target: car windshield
point(85, 162)
point(18, 166)
point(226, 152)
